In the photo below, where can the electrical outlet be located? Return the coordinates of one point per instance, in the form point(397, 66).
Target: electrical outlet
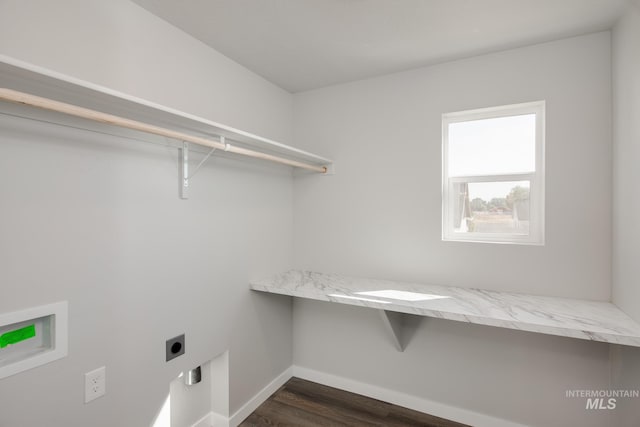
point(95, 384)
point(175, 347)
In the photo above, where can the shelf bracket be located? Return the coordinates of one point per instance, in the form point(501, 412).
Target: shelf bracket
point(183, 173)
point(393, 324)
point(400, 327)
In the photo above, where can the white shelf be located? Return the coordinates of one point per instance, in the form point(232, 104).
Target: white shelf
point(567, 317)
point(28, 78)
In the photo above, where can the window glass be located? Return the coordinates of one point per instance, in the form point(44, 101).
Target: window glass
point(502, 145)
point(492, 207)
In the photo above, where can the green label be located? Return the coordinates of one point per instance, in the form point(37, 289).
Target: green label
point(18, 335)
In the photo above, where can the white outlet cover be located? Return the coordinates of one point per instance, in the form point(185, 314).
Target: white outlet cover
point(95, 384)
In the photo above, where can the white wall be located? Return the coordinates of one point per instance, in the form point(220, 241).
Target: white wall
point(120, 45)
point(626, 230)
point(626, 173)
point(380, 216)
point(91, 219)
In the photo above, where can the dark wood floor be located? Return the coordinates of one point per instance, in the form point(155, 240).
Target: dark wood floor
point(303, 403)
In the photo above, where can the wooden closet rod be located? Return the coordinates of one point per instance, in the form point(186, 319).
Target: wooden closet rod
point(97, 116)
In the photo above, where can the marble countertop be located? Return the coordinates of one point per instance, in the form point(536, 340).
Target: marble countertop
point(575, 318)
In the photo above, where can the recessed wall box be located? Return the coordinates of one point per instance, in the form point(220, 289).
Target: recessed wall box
point(175, 347)
point(32, 337)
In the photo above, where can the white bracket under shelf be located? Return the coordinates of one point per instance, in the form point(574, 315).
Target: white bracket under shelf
point(393, 324)
point(331, 169)
point(398, 325)
point(183, 173)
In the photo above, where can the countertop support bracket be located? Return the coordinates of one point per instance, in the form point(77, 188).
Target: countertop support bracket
point(183, 173)
point(393, 322)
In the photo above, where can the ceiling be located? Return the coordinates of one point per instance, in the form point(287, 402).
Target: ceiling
point(307, 44)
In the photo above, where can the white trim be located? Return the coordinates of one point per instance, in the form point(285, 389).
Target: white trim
point(218, 420)
point(536, 234)
point(493, 112)
point(212, 420)
point(402, 399)
point(260, 397)
point(529, 176)
point(205, 421)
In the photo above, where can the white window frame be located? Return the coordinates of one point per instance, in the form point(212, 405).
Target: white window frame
point(536, 179)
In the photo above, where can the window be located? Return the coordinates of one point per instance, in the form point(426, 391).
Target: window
point(493, 174)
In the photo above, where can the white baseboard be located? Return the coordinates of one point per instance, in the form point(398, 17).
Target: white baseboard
point(212, 420)
point(260, 398)
point(402, 399)
point(204, 421)
point(395, 397)
point(219, 420)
